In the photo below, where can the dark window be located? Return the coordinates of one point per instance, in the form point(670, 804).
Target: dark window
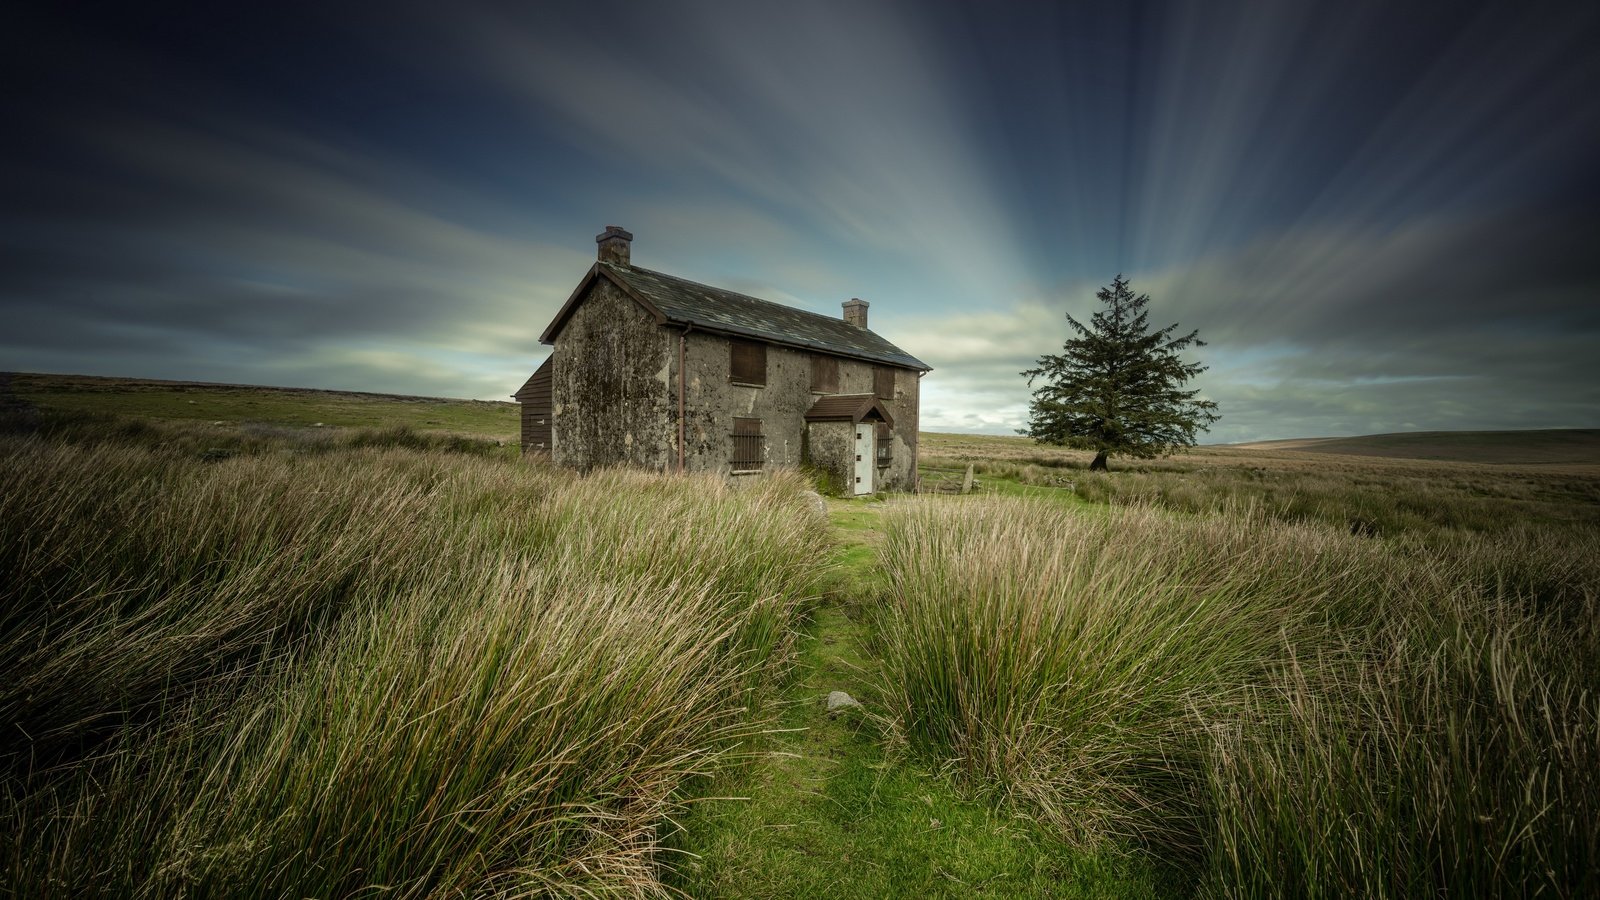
point(747, 362)
point(883, 382)
point(748, 446)
point(885, 444)
point(825, 374)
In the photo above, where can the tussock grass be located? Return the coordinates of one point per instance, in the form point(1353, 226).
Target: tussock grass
point(358, 670)
point(1294, 711)
point(171, 401)
point(1368, 495)
point(1378, 497)
point(220, 440)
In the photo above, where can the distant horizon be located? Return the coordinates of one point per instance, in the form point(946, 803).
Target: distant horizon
point(510, 402)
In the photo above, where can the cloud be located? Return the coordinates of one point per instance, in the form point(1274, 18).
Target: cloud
point(404, 204)
point(1434, 276)
point(837, 116)
point(266, 240)
point(1336, 331)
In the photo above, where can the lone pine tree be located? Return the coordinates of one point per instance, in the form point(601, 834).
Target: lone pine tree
point(1117, 387)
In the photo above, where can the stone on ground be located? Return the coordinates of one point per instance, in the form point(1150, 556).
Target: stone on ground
point(815, 500)
point(838, 701)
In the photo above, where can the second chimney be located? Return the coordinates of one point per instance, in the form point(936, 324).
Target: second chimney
point(855, 312)
point(614, 243)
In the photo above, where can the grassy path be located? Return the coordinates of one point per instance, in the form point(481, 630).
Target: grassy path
point(826, 813)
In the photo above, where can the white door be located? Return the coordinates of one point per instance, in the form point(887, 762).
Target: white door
point(866, 456)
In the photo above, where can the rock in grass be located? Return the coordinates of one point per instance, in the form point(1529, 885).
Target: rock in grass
point(815, 500)
point(838, 701)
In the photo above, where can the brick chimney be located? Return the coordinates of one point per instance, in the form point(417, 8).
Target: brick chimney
point(855, 312)
point(614, 243)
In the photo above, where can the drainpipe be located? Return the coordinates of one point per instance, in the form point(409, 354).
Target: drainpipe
point(683, 340)
point(916, 442)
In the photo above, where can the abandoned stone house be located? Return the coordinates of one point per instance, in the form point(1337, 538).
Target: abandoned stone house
point(662, 373)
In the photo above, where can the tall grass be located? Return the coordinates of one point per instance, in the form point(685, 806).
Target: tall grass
point(221, 440)
point(1370, 495)
point(1293, 711)
point(1381, 497)
point(372, 670)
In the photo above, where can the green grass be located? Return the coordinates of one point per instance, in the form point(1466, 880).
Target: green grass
point(265, 659)
point(1369, 494)
point(858, 524)
point(827, 808)
point(1552, 446)
point(1004, 480)
point(242, 404)
point(372, 668)
point(1282, 710)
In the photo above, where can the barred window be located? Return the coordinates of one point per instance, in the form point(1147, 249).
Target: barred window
point(883, 382)
point(825, 374)
point(747, 363)
point(749, 448)
point(885, 444)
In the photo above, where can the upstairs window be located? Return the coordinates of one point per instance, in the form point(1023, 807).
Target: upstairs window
point(747, 363)
point(749, 448)
point(883, 382)
point(824, 375)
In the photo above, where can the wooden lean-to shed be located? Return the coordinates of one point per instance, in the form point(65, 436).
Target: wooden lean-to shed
point(656, 371)
point(535, 399)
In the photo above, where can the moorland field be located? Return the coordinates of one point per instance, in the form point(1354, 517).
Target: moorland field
point(260, 642)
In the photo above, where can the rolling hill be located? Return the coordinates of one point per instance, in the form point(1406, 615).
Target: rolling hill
point(1551, 446)
point(234, 403)
point(240, 403)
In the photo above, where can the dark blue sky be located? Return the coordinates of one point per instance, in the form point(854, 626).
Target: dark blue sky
point(1383, 216)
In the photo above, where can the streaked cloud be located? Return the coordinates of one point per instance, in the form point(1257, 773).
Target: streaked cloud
point(1381, 220)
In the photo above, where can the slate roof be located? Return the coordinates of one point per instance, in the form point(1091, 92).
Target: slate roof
point(684, 302)
point(846, 408)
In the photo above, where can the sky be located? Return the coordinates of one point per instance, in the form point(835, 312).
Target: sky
point(1381, 216)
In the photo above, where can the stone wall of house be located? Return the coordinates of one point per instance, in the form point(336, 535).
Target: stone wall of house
point(613, 400)
point(830, 447)
point(713, 401)
point(905, 406)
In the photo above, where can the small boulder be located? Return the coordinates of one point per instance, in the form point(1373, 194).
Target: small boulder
point(815, 501)
point(839, 701)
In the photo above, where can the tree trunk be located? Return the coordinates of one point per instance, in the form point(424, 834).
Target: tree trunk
point(1099, 464)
